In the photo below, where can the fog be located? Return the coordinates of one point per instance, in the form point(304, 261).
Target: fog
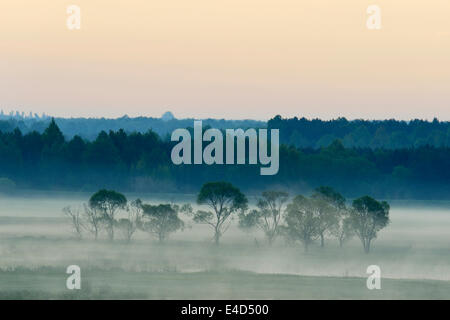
point(34, 233)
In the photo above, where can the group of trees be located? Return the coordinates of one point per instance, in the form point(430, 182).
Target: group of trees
point(387, 134)
point(108, 210)
point(324, 214)
point(141, 162)
point(309, 219)
point(305, 219)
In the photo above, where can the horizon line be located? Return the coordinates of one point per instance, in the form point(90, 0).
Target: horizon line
point(16, 114)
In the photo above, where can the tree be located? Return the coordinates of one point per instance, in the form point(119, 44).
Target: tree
point(328, 202)
point(108, 202)
point(130, 224)
point(302, 221)
point(331, 195)
point(224, 199)
point(52, 136)
point(367, 217)
point(93, 218)
point(268, 217)
point(340, 225)
point(76, 220)
point(161, 220)
point(53, 143)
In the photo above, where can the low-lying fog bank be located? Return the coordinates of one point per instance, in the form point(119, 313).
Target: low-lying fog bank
point(415, 245)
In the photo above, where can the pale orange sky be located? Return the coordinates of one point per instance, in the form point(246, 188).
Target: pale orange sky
point(226, 59)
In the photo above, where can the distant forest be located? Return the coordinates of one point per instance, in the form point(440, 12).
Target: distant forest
point(141, 162)
point(299, 132)
point(89, 128)
point(387, 134)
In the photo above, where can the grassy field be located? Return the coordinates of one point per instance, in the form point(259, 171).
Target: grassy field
point(115, 284)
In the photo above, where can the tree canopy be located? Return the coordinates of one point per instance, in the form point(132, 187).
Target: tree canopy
point(224, 200)
point(161, 220)
point(140, 162)
point(108, 202)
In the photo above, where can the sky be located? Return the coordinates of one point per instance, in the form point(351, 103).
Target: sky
point(234, 59)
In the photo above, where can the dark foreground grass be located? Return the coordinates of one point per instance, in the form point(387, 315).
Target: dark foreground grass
point(49, 283)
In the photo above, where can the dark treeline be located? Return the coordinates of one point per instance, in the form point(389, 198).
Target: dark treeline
point(141, 162)
point(300, 132)
point(89, 128)
point(388, 134)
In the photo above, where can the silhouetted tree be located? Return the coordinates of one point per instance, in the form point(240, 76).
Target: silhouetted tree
point(367, 218)
point(108, 202)
point(224, 200)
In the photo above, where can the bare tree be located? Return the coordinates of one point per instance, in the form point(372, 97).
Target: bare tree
point(93, 220)
point(76, 220)
point(268, 217)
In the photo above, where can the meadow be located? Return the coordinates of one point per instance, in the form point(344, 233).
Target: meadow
point(37, 245)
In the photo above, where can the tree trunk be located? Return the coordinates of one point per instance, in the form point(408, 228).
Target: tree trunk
point(322, 240)
point(216, 238)
point(111, 232)
point(270, 240)
point(367, 247)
